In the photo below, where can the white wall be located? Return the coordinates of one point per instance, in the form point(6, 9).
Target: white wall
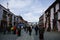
point(13, 20)
point(18, 19)
point(52, 17)
point(7, 20)
point(1, 13)
point(46, 23)
point(58, 15)
point(57, 7)
point(58, 23)
point(44, 19)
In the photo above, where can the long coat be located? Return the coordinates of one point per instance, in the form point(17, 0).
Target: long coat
point(41, 32)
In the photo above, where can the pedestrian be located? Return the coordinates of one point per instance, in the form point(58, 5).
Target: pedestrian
point(8, 29)
point(4, 29)
point(30, 30)
point(41, 32)
point(14, 29)
point(27, 28)
point(24, 28)
point(32, 27)
point(36, 29)
point(1, 29)
point(19, 29)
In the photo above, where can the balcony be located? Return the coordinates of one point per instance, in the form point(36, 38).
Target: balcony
point(4, 17)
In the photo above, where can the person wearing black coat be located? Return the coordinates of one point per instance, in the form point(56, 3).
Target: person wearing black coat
point(30, 30)
point(36, 30)
point(41, 32)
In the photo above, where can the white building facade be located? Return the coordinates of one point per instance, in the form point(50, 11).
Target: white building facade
point(53, 16)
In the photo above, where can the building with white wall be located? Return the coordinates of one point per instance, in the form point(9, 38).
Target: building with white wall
point(51, 17)
point(42, 20)
point(3, 16)
point(7, 18)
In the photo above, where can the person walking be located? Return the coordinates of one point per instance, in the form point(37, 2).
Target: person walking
point(30, 30)
point(36, 30)
point(14, 29)
point(4, 28)
point(26, 29)
point(19, 29)
point(41, 32)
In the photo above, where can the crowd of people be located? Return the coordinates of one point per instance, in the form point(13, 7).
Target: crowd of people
point(38, 30)
point(17, 30)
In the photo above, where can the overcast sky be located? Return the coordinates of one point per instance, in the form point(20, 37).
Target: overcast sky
point(30, 10)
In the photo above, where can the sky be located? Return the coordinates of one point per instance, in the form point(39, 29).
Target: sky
point(30, 10)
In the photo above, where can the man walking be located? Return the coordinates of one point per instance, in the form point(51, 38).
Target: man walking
point(36, 30)
point(19, 29)
point(41, 32)
point(30, 30)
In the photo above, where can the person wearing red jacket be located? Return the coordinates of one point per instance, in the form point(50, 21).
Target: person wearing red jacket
point(14, 29)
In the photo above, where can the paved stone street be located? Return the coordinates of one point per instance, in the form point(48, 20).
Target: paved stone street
point(24, 36)
point(47, 36)
point(8, 37)
point(52, 36)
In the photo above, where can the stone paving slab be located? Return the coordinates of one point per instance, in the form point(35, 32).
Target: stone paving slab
point(52, 36)
point(8, 37)
point(26, 36)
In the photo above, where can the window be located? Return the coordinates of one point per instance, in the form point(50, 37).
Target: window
point(4, 15)
point(54, 9)
point(56, 16)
